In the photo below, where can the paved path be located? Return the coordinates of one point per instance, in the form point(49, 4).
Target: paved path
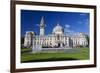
point(66, 50)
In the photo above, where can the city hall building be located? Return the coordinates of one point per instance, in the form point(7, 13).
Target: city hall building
point(55, 40)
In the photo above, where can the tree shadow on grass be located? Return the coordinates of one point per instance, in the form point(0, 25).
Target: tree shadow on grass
point(50, 59)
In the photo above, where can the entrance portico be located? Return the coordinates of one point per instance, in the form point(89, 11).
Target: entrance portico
point(60, 44)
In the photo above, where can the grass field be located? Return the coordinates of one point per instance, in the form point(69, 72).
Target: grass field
point(80, 54)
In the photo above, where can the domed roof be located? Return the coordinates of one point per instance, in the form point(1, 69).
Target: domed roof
point(58, 29)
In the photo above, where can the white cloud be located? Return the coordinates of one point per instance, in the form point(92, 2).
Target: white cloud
point(67, 26)
point(82, 14)
point(80, 22)
point(67, 30)
point(85, 22)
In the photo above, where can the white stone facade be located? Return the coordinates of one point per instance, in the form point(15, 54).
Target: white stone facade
point(56, 39)
point(28, 40)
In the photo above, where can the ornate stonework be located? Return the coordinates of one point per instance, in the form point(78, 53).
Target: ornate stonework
point(55, 40)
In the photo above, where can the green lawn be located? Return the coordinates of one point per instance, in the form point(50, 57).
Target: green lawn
point(27, 56)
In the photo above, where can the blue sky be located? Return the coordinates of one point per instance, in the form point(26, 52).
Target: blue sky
point(72, 22)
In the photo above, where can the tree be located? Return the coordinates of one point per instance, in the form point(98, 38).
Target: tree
point(87, 37)
point(22, 40)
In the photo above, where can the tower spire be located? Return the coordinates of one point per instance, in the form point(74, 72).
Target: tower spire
point(42, 21)
point(42, 26)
